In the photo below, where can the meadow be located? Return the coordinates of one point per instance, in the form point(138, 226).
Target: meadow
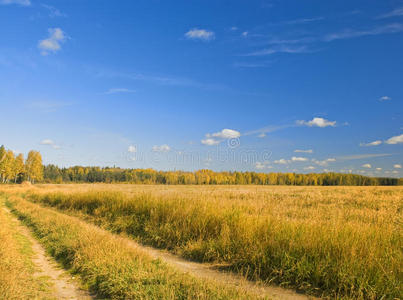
point(336, 242)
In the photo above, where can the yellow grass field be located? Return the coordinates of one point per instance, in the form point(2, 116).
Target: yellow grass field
point(337, 242)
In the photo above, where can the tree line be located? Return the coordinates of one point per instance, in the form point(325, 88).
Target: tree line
point(79, 174)
point(14, 169)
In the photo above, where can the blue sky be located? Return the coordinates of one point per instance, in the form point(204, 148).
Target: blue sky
point(268, 85)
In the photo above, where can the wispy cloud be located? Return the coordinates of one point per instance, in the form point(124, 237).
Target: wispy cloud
point(119, 90)
point(53, 11)
point(261, 132)
point(53, 42)
point(47, 106)
point(200, 34)
point(362, 156)
point(161, 80)
point(19, 2)
point(317, 122)
point(280, 49)
point(252, 65)
point(350, 33)
point(304, 20)
point(292, 41)
point(394, 13)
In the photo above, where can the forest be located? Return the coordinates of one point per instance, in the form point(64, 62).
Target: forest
point(14, 169)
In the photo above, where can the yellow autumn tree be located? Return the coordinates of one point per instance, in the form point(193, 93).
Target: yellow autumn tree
point(8, 166)
point(33, 166)
point(18, 167)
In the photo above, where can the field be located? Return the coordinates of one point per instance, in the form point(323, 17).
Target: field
point(336, 242)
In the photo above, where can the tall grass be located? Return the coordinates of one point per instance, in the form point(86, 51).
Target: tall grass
point(17, 279)
point(339, 242)
point(108, 265)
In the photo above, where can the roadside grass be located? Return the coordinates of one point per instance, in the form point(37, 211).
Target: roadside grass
point(17, 280)
point(107, 265)
point(341, 242)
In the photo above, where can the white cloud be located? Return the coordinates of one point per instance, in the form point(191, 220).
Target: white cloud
point(374, 143)
point(262, 165)
point(226, 134)
point(385, 98)
point(52, 43)
point(395, 140)
point(368, 166)
point(214, 138)
point(47, 142)
point(303, 151)
point(200, 34)
point(210, 142)
point(325, 162)
point(132, 149)
point(395, 172)
point(294, 158)
point(119, 90)
point(234, 28)
point(318, 122)
point(310, 168)
point(379, 169)
point(397, 166)
point(162, 148)
point(51, 143)
point(262, 135)
point(281, 161)
point(19, 2)
point(245, 34)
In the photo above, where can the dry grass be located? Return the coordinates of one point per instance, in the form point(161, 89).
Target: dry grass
point(334, 241)
point(108, 265)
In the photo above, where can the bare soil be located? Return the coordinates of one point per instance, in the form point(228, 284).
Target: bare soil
point(62, 284)
point(211, 272)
